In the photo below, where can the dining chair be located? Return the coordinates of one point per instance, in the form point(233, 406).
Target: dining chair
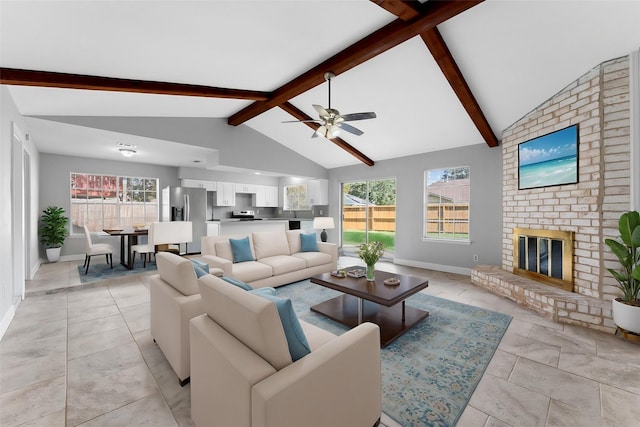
point(95, 249)
point(145, 249)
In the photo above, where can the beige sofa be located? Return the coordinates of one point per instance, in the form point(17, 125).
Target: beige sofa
point(278, 259)
point(242, 372)
point(174, 300)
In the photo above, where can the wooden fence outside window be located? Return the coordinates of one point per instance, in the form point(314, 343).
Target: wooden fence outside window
point(446, 217)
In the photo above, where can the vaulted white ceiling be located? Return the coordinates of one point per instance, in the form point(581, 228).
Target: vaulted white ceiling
point(513, 54)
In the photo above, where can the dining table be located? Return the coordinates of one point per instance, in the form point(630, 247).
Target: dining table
point(128, 238)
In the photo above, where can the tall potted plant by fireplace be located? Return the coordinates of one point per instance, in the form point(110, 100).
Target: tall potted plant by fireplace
point(626, 310)
point(53, 231)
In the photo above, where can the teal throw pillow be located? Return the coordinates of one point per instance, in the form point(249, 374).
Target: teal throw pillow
point(263, 291)
point(241, 249)
point(296, 340)
point(201, 268)
point(238, 283)
point(308, 242)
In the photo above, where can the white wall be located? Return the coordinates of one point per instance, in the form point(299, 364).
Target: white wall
point(12, 254)
point(411, 248)
point(55, 173)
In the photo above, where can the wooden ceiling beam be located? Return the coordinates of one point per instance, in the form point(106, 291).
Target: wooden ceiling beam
point(405, 10)
point(389, 36)
point(18, 77)
point(301, 115)
point(438, 48)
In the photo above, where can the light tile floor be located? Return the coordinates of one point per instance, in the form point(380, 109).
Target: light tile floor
point(83, 356)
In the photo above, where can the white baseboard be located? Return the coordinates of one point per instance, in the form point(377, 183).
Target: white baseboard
point(35, 269)
point(63, 258)
point(6, 320)
point(79, 257)
point(431, 266)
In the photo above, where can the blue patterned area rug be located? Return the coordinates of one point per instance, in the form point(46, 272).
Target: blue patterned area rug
point(430, 372)
point(99, 270)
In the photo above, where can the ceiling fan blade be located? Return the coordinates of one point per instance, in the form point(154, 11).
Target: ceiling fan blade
point(320, 109)
point(358, 116)
point(302, 121)
point(350, 129)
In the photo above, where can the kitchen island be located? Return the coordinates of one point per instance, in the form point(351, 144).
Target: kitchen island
point(235, 227)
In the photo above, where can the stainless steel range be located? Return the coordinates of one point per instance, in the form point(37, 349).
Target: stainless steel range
point(247, 215)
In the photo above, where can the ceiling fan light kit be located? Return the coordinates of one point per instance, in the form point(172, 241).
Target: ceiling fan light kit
point(331, 121)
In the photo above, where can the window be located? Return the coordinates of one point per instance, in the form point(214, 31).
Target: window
point(111, 202)
point(369, 214)
point(446, 204)
point(295, 197)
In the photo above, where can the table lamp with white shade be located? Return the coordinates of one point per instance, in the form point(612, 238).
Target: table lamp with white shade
point(323, 223)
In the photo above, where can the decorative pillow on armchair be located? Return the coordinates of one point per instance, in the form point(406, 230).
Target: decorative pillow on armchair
point(238, 283)
point(201, 268)
point(297, 341)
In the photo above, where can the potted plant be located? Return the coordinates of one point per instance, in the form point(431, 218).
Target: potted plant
point(370, 253)
point(626, 310)
point(53, 231)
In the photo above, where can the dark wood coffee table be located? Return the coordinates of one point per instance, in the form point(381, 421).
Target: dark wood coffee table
point(375, 302)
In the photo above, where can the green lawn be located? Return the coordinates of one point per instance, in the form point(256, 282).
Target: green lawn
point(356, 237)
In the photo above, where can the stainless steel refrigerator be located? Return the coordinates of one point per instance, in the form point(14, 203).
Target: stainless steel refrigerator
point(187, 204)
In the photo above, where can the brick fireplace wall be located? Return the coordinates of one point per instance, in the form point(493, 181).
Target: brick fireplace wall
point(599, 102)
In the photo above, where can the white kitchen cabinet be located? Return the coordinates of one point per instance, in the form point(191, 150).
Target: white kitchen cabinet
point(318, 192)
point(271, 196)
point(225, 194)
point(266, 196)
point(199, 183)
point(246, 188)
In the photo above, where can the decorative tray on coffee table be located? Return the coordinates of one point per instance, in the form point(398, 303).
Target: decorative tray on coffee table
point(392, 281)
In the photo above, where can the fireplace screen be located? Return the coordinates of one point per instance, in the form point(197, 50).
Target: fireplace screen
point(545, 256)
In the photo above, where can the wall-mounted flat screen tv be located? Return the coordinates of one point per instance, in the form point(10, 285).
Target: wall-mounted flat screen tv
point(549, 160)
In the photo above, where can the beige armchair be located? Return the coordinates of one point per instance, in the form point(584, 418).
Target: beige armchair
point(242, 374)
point(174, 300)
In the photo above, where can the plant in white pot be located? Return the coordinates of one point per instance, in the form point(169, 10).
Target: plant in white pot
point(53, 231)
point(626, 310)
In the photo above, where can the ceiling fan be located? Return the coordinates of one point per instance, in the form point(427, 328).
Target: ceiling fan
point(331, 121)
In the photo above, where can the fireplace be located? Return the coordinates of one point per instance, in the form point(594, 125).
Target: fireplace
point(545, 256)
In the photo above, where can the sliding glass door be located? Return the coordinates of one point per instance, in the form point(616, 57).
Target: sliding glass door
point(369, 214)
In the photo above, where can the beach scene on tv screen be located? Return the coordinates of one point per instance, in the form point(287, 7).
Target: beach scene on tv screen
point(549, 160)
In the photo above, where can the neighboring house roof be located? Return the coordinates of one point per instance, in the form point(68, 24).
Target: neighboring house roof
point(351, 200)
point(449, 191)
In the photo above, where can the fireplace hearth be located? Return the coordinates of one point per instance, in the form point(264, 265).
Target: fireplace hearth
point(545, 256)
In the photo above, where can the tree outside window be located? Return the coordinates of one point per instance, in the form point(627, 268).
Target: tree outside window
point(446, 206)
